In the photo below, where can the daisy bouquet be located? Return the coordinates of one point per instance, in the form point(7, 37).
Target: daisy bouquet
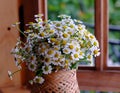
point(51, 46)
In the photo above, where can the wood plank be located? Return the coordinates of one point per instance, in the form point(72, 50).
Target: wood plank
point(95, 80)
point(105, 33)
point(14, 90)
point(98, 31)
point(8, 36)
point(101, 32)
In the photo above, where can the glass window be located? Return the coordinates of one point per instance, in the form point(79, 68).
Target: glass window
point(114, 33)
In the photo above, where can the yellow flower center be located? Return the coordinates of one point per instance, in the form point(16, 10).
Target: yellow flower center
point(50, 52)
point(64, 42)
point(89, 56)
point(32, 34)
point(51, 31)
point(32, 57)
point(80, 28)
point(66, 61)
point(91, 36)
point(37, 25)
point(71, 46)
point(56, 55)
point(86, 36)
point(57, 42)
point(76, 55)
point(77, 49)
point(53, 40)
point(88, 44)
point(37, 79)
point(95, 51)
point(95, 43)
point(70, 32)
point(70, 58)
point(42, 34)
point(32, 66)
point(48, 26)
point(64, 27)
point(42, 50)
point(47, 60)
point(19, 60)
point(56, 48)
point(28, 49)
point(30, 23)
point(65, 50)
point(82, 45)
point(81, 53)
point(58, 25)
point(27, 30)
point(46, 68)
point(71, 26)
point(65, 35)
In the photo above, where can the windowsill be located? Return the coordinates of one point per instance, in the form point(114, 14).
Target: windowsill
point(14, 90)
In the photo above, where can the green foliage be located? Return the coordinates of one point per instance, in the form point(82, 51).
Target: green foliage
point(75, 8)
point(114, 10)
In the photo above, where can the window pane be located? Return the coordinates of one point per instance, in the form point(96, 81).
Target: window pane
point(114, 33)
point(78, 9)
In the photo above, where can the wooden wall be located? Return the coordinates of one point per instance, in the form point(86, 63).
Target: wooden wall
point(12, 11)
point(8, 35)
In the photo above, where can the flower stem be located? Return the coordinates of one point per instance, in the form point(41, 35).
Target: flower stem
point(20, 31)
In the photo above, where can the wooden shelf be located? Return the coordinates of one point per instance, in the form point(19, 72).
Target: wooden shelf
point(14, 90)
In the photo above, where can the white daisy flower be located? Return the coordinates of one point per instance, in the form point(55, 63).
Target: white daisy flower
point(43, 48)
point(81, 55)
point(47, 69)
point(57, 55)
point(91, 36)
point(56, 62)
point(39, 20)
point(32, 66)
point(70, 46)
point(28, 48)
point(95, 51)
point(33, 58)
point(41, 35)
point(81, 29)
point(56, 48)
point(47, 60)
point(60, 61)
point(50, 52)
point(75, 56)
point(89, 58)
point(64, 35)
point(67, 64)
point(38, 79)
point(38, 15)
point(95, 43)
point(10, 75)
point(15, 24)
point(52, 40)
point(31, 82)
point(66, 50)
point(63, 42)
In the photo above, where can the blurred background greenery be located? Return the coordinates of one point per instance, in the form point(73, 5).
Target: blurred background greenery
point(84, 11)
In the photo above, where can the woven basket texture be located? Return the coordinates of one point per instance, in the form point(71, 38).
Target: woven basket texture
point(58, 82)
